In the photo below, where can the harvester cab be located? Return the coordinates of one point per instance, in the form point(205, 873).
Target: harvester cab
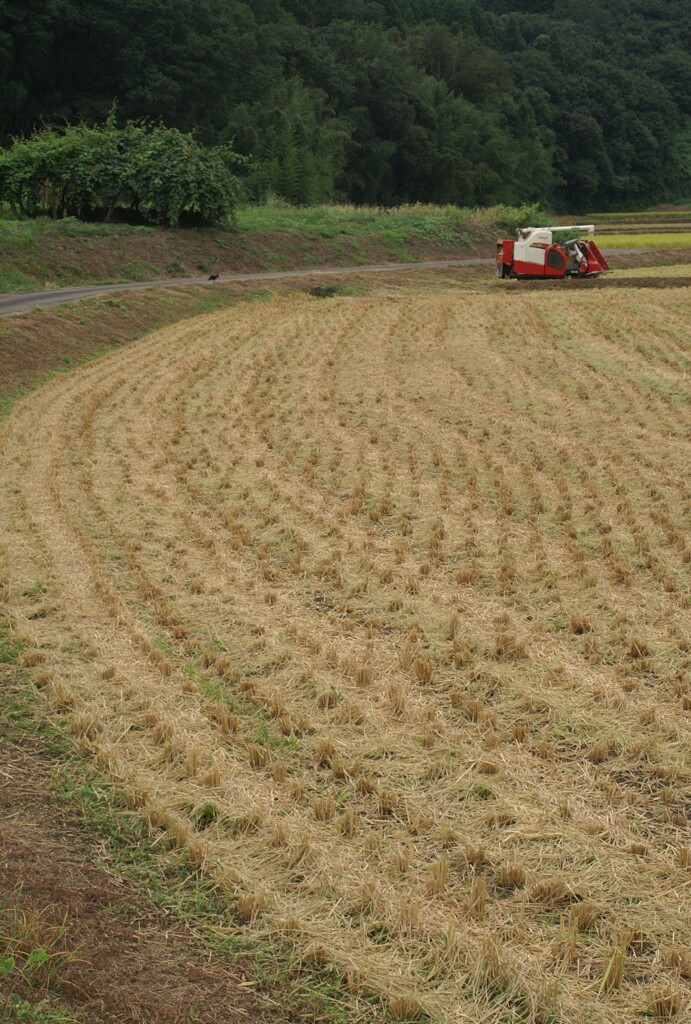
point(535, 254)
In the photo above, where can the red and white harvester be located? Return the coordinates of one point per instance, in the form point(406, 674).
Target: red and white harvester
point(535, 254)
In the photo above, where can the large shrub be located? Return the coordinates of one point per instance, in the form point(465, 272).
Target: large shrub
point(142, 172)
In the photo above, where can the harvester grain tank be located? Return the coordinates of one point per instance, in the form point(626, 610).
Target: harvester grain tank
point(535, 254)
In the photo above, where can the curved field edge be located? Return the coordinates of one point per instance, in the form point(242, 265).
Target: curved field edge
point(35, 344)
point(47, 974)
point(599, 550)
point(33, 348)
point(38, 343)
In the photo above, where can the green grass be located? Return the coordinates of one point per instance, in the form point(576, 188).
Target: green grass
point(667, 269)
point(139, 270)
point(10, 649)
point(25, 957)
point(23, 242)
point(652, 240)
point(443, 225)
point(15, 1010)
point(34, 252)
point(14, 280)
point(69, 227)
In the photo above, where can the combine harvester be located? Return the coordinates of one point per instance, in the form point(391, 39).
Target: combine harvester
point(536, 255)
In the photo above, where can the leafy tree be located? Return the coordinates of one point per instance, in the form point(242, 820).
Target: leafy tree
point(177, 181)
point(298, 145)
point(154, 173)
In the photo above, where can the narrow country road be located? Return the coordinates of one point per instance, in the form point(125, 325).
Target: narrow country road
point(20, 301)
point(17, 303)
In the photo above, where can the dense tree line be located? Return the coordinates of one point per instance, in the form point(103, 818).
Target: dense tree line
point(574, 104)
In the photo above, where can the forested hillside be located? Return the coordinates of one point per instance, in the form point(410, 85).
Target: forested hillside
point(575, 104)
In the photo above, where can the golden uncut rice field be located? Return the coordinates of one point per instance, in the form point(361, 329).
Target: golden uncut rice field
point(377, 609)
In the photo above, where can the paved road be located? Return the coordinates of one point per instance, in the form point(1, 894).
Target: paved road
point(30, 300)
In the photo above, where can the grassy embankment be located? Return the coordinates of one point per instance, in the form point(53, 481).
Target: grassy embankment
point(47, 254)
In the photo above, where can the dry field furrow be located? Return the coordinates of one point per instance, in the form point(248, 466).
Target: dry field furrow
point(377, 610)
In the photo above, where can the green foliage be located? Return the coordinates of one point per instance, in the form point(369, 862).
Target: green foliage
point(174, 176)
point(153, 173)
point(471, 102)
point(299, 148)
point(19, 1011)
point(397, 227)
point(31, 949)
point(7, 965)
point(10, 650)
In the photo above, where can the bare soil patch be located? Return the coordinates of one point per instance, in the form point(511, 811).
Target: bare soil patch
point(129, 962)
point(605, 283)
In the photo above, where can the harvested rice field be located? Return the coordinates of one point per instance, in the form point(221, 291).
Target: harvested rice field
point(377, 610)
